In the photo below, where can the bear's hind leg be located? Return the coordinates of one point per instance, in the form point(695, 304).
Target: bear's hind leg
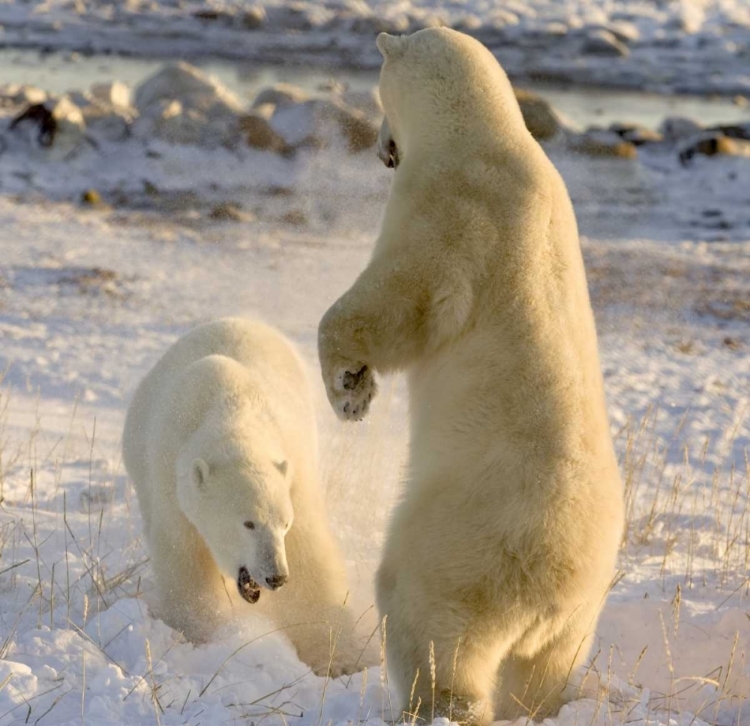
point(464, 649)
point(537, 686)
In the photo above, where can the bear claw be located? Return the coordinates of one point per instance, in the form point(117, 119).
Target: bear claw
point(354, 387)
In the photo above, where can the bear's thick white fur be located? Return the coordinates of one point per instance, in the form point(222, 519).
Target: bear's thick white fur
point(502, 551)
point(222, 433)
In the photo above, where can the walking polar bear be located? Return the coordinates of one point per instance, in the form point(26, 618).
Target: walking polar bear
point(220, 442)
point(502, 551)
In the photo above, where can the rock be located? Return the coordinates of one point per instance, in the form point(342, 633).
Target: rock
point(431, 20)
point(106, 110)
point(295, 217)
point(469, 23)
point(210, 15)
point(265, 110)
point(332, 86)
point(556, 29)
point(368, 102)
point(14, 94)
point(71, 126)
point(374, 24)
point(604, 43)
point(278, 190)
point(714, 145)
point(182, 105)
point(108, 123)
point(635, 133)
point(689, 19)
point(259, 134)
point(292, 17)
point(57, 124)
point(281, 94)
point(193, 88)
point(79, 98)
point(500, 19)
point(171, 122)
point(600, 143)
point(229, 212)
point(254, 17)
point(296, 124)
point(111, 94)
point(733, 131)
point(675, 128)
point(538, 114)
point(315, 123)
point(41, 117)
point(624, 31)
point(91, 197)
point(31, 94)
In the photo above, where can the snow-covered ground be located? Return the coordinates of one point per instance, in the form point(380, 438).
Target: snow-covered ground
point(693, 46)
point(90, 297)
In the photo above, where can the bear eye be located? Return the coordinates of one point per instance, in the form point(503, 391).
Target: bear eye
point(249, 524)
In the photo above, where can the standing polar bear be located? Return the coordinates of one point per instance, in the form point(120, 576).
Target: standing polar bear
point(220, 442)
point(502, 551)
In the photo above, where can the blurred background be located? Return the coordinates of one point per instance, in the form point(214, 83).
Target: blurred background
point(127, 101)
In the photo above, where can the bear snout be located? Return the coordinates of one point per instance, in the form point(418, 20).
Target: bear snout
point(271, 557)
point(276, 581)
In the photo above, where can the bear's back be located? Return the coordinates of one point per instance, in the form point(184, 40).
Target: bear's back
point(503, 223)
point(213, 359)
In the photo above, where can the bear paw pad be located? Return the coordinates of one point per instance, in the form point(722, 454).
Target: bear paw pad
point(353, 390)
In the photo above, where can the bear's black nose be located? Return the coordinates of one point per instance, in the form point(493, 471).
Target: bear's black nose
point(276, 581)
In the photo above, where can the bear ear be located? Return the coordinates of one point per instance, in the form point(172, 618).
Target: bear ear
point(199, 474)
point(282, 466)
point(390, 46)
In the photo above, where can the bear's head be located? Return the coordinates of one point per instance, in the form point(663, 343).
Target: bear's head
point(236, 491)
point(443, 90)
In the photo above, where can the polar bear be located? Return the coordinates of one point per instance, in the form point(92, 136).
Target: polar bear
point(500, 555)
point(220, 441)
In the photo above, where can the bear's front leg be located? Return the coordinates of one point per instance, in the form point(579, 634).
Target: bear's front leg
point(350, 383)
point(378, 325)
point(192, 595)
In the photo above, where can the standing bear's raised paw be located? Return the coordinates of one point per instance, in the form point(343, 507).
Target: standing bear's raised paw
point(349, 380)
point(350, 390)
